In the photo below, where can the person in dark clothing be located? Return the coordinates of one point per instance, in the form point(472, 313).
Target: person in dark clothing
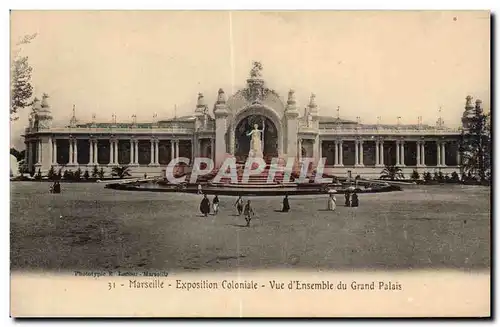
point(347, 199)
point(239, 205)
point(248, 213)
point(355, 200)
point(205, 206)
point(215, 204)
point(286, 204)
point(56, 188)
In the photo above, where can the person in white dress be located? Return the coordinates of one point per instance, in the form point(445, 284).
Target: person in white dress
point(332, 202)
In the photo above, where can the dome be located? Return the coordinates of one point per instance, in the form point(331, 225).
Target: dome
point(14, 166)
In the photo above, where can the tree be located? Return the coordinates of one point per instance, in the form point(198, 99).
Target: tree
point(20, 83)
point(392, 173)
point(454, 177)
point(415, 175)
point(68, 175)
point(18, 154)
point(38, 174)
point(95, 172)
point(77, 175)
point(475, 144)
point(52, 173)
point(101, 173)
point(86, 175)
point(427, 177)
point(121, 171)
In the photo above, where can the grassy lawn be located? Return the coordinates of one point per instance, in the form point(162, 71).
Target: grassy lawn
point(88, 226)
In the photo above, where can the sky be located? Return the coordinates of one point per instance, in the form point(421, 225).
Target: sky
point(369, 63)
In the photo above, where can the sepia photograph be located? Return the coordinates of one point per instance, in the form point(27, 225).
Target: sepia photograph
point(250, 163)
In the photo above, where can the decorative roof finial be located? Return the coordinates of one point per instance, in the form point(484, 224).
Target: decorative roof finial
point(221, 98)
point(256, 71)
point(291, 97)
point(73, 120)
point(468, 101)
point(338, 112)
point(45, 103)
point(478, 107)
point(200, 104)
point(440, 121)
point(312, 100)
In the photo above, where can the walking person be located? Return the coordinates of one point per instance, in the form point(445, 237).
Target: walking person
point(248, 213)
point(332, 202)
point(286, 204)
point(347, 199)
point(200, 190)
point(205, 206)
point(215, 204)
point(239, 205)
point(355, 200)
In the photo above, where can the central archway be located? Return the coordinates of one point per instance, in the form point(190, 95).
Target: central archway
point(242, 141)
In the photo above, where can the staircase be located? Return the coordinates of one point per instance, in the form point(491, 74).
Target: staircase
point(259, 180)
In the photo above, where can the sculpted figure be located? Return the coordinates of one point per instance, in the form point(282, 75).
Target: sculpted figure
point(256, 141)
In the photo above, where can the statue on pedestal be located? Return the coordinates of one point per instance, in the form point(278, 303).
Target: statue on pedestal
point(256, 141)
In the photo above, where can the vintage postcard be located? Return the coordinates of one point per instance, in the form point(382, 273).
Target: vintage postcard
point(250, 164)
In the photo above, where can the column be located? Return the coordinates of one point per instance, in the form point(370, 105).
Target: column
point(157, 152)
point(136, 152)
point(96, 152)
point(320, 149)
point(91, 151)
point(231, 142)
point(177, 148)
point(438, 144)
point(341, 153)
point(361, 154)
point(377, 153)
point(356, 153)
point(132, 148)
point(172, 149)
point(111, 152)
point(381, 153)
point(51, 151)
point(459, 157)
point(419, 162)
point(336, 153)
point(199, 150)
point(27, 153)
point(398, 154)
point(152, 161)
point(402, 161)
point(116, 152)
point(212, 149)
point(54, 151)
point(299, 150)
point(422, 152)
point(75, 151)
point(443, 154)
point(71, 152)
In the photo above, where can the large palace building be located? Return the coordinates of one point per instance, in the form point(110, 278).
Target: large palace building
point(289, 132)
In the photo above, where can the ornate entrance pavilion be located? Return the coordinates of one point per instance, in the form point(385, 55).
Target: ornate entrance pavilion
point(149, 147)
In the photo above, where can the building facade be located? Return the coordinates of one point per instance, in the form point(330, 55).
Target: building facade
point(288, 132)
